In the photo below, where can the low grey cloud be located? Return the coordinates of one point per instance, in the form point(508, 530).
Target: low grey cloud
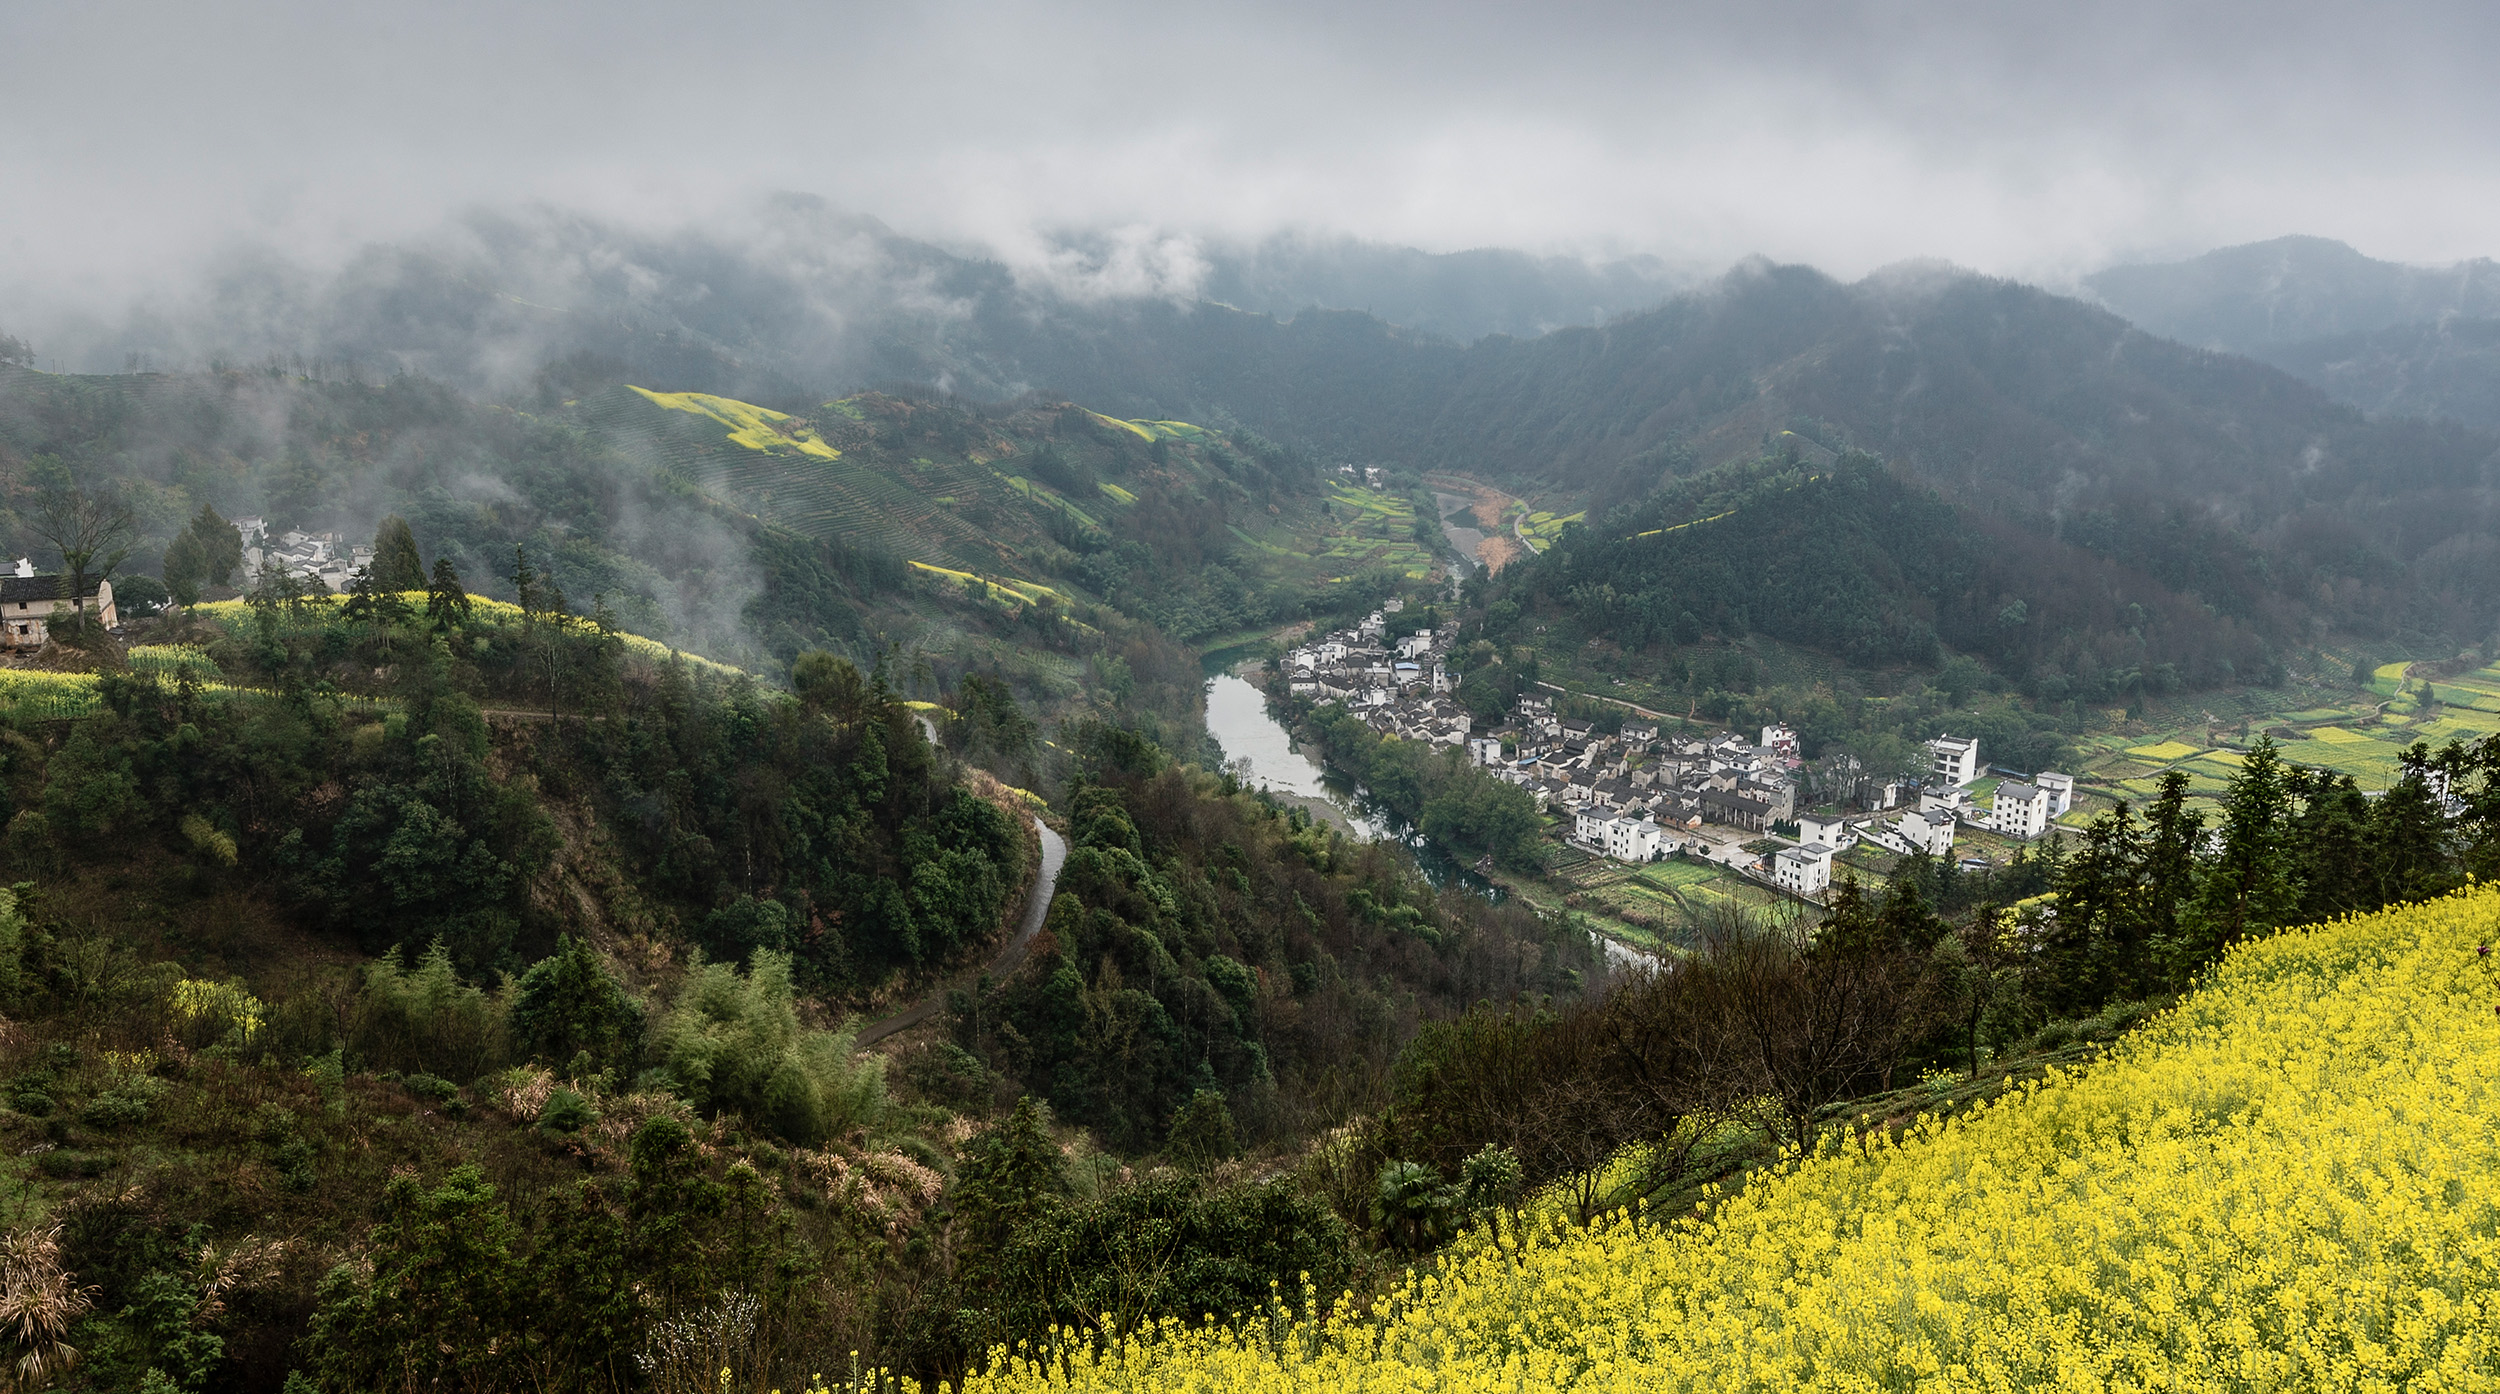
point(1096, 147)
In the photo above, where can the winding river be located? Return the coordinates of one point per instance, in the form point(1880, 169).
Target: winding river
point(1266, 756)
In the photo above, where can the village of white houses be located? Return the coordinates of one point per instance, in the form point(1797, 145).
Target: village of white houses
point(1645, 793)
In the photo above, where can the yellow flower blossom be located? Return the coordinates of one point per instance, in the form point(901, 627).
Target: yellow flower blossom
point(2291, 1181)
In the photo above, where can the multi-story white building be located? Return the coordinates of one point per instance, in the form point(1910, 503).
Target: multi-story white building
point(1829, 831)
point(1805, 870)
point(1624, 837)
point(1956, 762)
point(2059, 787)
point(1630, 839)
point(1930, 831)
point(2021, 810)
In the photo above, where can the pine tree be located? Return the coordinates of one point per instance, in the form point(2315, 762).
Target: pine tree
point(446, 600)
point(2169, 877)
point(186, 568)
point(2408, 835)
point(437, 1311)
point(2331, 838)
point(2086, 951)
point(1203, 1133)
point(220, 547)
point(1010, 1176)
point(2251, 885)
point(524, 582)
point(397, 565)
point(1905, 924)
point(1848, 927)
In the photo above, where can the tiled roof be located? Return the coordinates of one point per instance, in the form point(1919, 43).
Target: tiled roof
point(16, 588)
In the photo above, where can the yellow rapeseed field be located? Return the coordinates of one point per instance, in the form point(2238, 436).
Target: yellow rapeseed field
point(2290, 1182)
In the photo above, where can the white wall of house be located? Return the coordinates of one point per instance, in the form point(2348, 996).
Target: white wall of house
point(1956, 761)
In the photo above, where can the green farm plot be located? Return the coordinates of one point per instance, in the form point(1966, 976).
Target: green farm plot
point(2459, 724)
point(1543, 528)
point(1367, 529)
point(2372, 762)
point(1677, 874)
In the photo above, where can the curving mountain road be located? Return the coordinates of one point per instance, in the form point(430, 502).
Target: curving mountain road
point(1036, 910)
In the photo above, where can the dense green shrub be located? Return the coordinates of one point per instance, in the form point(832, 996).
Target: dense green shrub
point(732, 1043)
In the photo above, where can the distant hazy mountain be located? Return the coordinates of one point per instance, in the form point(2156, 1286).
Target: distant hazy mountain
point(1458, 295)
point(794, 304)
point(2268, 294)
point(2056, 429)
point(2391, 339)
point(2447, 368)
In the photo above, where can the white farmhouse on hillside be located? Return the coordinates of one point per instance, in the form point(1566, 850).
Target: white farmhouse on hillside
point(2059, 787)
point(30, 603)
point(1630, 839)
point(1930, 831)
point(1828, 830)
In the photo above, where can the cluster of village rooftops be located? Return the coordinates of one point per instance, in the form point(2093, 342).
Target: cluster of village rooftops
point(1640, 794)
point(315, 558)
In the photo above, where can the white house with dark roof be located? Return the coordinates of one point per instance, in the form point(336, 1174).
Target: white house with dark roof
point(2021, 810)
point(31, 602)
point(1805, 870)
point(1956, 762)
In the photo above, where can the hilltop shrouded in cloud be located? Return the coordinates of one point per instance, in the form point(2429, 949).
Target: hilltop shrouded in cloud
point(1108, 147)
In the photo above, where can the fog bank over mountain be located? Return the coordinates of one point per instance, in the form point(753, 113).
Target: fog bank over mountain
point(2266, 294)
point(145, 136)
point(792, 301)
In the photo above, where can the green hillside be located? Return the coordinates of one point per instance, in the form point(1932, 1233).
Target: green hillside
point(1200, 531)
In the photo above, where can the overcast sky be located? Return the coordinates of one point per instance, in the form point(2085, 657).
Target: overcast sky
point(2031, 139)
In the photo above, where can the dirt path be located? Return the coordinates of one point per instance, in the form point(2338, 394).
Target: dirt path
point(1632, 707)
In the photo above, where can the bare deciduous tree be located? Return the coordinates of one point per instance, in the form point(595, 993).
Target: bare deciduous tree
point(1809, 1025)
point(90, 530)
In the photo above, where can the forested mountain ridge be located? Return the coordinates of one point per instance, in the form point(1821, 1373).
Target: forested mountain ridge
point(2211, 475)
point(1034, 539)
point(1880, 571)
point(334, 932)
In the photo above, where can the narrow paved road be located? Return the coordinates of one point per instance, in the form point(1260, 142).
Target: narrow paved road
point(1036, 910)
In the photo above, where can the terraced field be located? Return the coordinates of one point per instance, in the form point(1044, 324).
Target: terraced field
point(1368, 529)
point(2363, 737)
point(969, 503)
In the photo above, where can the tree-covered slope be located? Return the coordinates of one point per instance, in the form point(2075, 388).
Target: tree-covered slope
point(1882, 571)
point(2208, 474)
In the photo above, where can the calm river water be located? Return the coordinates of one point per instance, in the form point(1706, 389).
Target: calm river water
point(1237, 718)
